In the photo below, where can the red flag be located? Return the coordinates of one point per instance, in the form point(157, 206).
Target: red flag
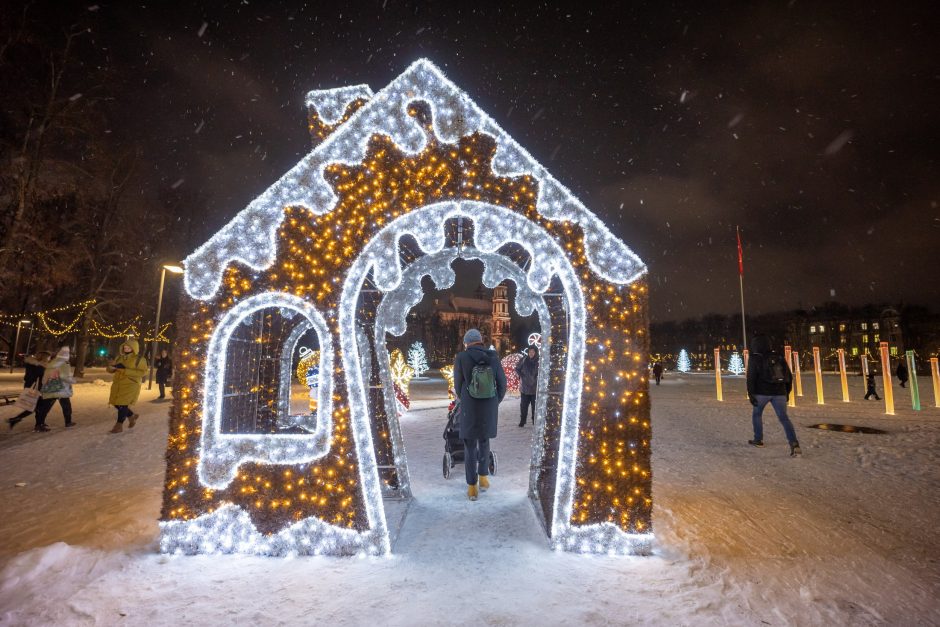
point(740, 254)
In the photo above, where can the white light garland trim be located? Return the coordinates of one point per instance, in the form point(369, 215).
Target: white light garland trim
point(392, 317)
point(330, 104)
point(251, 236)
point(229, 529)
point(222, 453)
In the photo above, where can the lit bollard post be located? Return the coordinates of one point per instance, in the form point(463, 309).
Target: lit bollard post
point(843, 376)
point(935, 375)
point(817, 368)
point(747, 355)
point(718, 373)
point(912, 370)
point(788, 355)
point(886, 379)
point(864, 358)
point(797, 377)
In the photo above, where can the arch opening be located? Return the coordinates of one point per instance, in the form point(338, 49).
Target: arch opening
point(378, 292)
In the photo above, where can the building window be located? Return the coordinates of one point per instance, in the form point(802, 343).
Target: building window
point(874, 325)
point(842, 326)
point(812, 328)
point(894, 351)
point(865, 339)
point(843, 340)
point(864, 326)
point(855, 351)
point(877, 338)
point(822, 328)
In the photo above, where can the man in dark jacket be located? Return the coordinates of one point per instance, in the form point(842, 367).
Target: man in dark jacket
point(35, 369)
point(903, 375)
point(658, 371)
point(164, 366)
point(480, 384)
point(528, 370)
point(769, 380)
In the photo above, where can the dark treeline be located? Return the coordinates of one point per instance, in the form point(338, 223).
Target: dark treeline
point(76, 223)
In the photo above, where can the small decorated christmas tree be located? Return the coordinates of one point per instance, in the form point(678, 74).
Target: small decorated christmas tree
point(736, 364)
point(418, 359)
point(683, 365)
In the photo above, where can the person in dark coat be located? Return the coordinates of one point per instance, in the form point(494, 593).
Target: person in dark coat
point(478, 416)
point(35, 368)
point(528, 370)
point(870, 383)
point(902, 373)
point(658, 371)
point(769, 380)
point(164, 366)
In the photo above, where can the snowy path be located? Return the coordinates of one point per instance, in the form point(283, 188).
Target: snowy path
point(844, 535)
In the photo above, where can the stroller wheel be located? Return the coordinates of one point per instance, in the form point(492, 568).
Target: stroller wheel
point(492, 463)
point(448, 464)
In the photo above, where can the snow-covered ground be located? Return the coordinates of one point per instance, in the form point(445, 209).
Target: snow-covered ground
point(844, 535)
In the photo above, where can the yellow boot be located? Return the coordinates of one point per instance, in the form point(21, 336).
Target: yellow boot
point(472, 492)
point(484, 483)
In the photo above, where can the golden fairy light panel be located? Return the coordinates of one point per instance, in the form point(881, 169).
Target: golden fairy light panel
point(411, 172)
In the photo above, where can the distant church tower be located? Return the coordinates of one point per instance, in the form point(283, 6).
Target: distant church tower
point(500, 335)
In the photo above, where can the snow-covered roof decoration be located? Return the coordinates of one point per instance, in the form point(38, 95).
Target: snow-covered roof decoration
point(250, 237)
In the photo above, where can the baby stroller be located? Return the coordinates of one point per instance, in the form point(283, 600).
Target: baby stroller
point(453, 445)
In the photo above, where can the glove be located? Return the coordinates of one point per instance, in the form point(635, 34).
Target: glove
point(752, 399)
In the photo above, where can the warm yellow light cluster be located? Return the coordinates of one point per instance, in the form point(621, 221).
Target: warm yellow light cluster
point(314, 254)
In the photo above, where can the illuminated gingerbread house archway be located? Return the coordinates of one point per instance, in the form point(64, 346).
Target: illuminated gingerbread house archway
point(400, 184)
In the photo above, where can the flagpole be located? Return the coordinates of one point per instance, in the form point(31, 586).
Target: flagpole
point(741, 282)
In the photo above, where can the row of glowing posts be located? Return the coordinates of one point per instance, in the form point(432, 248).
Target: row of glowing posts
point(793, 360)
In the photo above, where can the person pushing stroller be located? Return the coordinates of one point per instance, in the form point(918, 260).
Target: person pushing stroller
point(480, 384)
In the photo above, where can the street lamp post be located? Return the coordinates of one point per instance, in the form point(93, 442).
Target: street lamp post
point(16, 342)
point(156, 326)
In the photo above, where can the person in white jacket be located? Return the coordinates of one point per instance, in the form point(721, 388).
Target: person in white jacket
point(57, 386)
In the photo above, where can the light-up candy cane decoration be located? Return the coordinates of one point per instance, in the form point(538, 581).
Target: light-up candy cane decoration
point(843, 376)
point(886, 379)
point(817, 369)
point(935, 376)
point(797, 375)
point(915, 390)
point(788, 356)
point(718, 374)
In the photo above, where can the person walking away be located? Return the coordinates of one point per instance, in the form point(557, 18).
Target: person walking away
point(480, 383)
point(57, 387)
point(164, 366)
point(129, 368)
point(35, 367)
point(528, 370)
point(902, 373)
point(658, 371)
point(769, 380)
point(870, 383)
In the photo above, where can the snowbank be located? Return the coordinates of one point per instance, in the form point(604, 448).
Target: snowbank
point(845, 535)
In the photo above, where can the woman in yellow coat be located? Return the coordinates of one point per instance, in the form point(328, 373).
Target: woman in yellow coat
point(129, 368)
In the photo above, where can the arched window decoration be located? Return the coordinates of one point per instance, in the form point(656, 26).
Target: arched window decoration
point(269, 387)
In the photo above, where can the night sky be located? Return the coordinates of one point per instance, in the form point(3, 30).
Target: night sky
point(811, 125)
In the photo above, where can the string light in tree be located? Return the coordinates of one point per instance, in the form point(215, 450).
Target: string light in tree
point(418, 359)
point(684, 364)
point(736, 364)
